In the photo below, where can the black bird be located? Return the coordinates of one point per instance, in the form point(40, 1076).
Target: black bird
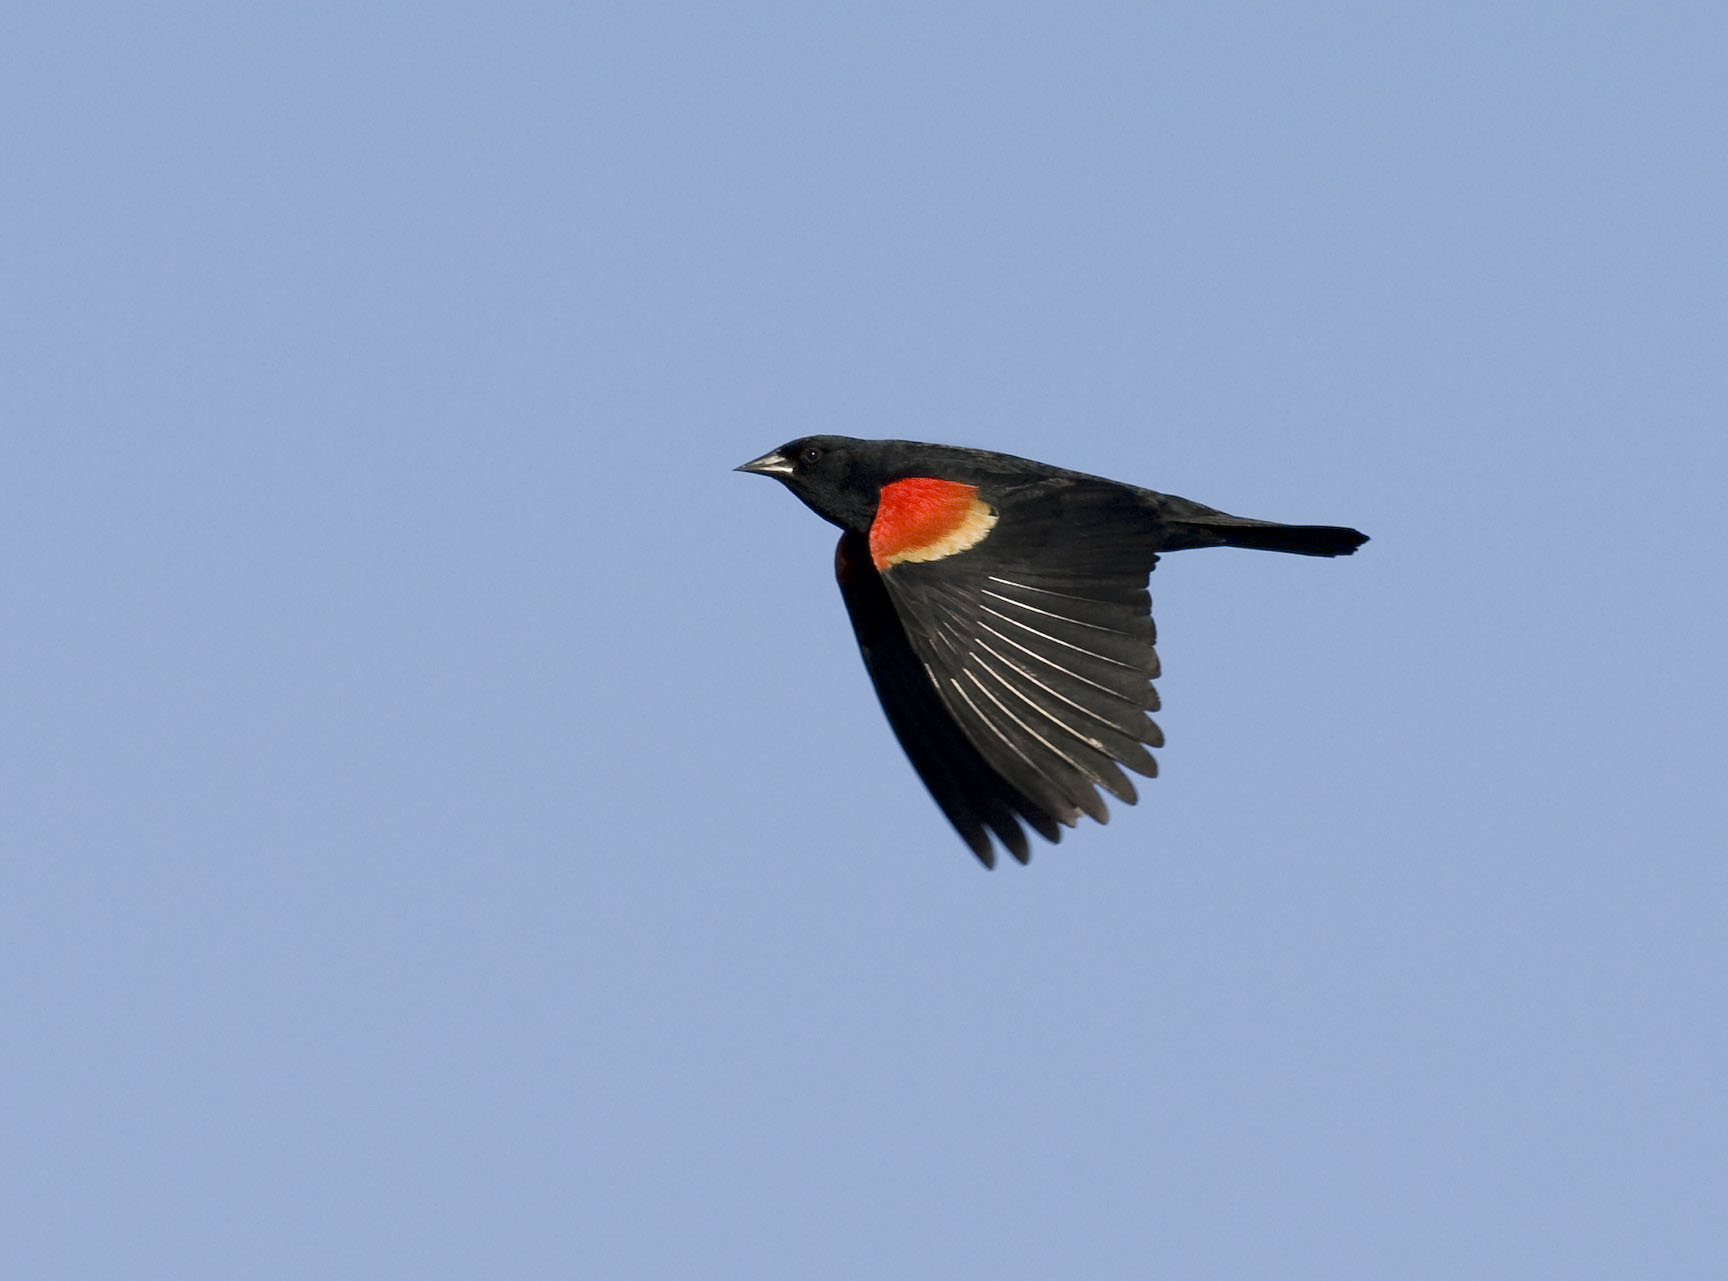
point(1002, 610)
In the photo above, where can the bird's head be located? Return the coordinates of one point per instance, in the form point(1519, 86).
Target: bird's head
point(837, 477)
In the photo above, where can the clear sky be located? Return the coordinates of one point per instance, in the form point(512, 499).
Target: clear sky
point(446, 830)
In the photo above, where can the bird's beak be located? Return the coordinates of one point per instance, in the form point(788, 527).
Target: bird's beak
point(775, 464)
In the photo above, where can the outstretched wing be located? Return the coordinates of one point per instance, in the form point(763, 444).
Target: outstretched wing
point(1021, 647)
point(1038, 640)
point(973, 795)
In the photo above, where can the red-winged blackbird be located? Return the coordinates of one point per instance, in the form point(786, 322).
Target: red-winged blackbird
point(1002, 610)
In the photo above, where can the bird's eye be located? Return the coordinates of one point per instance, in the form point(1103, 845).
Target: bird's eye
point(811, 456)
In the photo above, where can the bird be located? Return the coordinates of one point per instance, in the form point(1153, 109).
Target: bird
point(1002, 611)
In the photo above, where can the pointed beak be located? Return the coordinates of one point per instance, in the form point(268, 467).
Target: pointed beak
point(775, 464)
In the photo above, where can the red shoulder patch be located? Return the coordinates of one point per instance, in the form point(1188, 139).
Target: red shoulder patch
point(921, 518)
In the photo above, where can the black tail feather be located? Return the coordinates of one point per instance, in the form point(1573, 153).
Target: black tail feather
point(1266, 536)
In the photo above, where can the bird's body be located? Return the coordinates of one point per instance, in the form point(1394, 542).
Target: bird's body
point(1002, 611)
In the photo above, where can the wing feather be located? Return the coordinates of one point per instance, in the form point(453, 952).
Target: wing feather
point(974, 796)
point(1039, 643)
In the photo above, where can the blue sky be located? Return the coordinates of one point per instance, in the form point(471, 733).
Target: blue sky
point(446, 830)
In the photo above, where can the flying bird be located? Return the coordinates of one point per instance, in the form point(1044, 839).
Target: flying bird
point(1002, 611)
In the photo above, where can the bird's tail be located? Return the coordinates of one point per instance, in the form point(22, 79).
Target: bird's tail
point(1268, 536)
point(1184, 523)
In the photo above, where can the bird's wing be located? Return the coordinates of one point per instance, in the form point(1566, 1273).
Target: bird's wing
point(973, 795)
point(1036, 637)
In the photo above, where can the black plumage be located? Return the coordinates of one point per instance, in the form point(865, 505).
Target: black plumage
point(1002, 611)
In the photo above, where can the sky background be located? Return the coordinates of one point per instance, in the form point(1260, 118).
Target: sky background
point(446, 830)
